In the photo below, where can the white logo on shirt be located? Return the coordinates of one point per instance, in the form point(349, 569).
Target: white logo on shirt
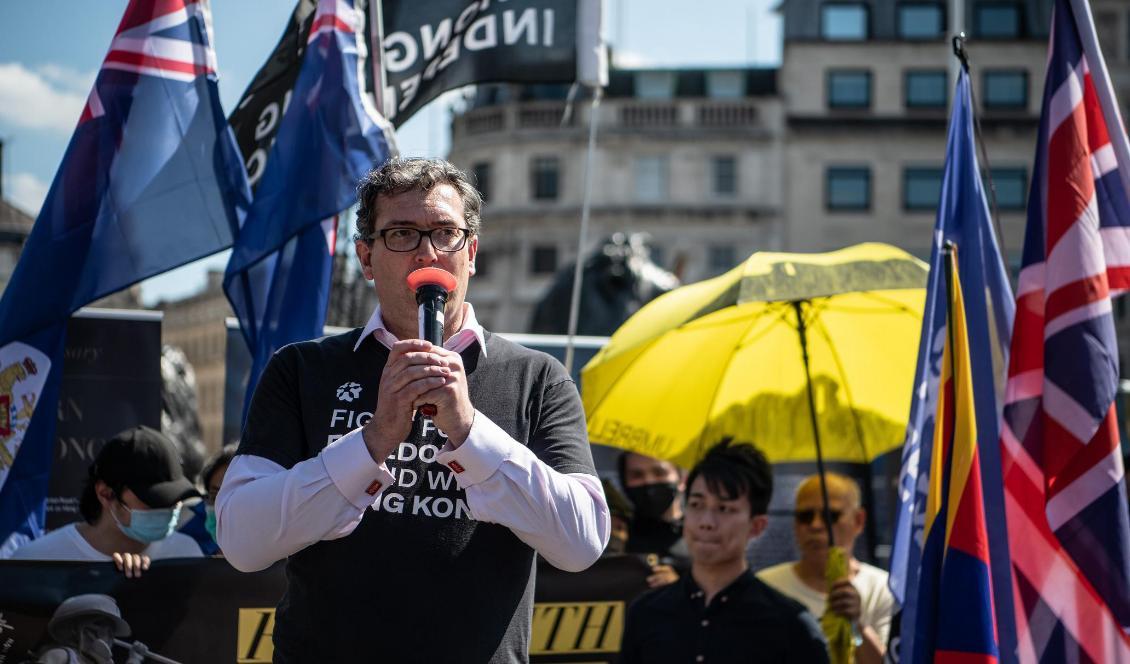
point(348, 391)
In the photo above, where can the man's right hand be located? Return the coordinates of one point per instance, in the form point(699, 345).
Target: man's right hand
point(412, 370)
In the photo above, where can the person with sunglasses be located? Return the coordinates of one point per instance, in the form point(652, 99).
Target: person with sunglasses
point(863, 597)
point(130, 507)
point(412, 537)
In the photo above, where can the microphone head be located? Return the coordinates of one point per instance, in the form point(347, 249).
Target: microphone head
point(431, 276)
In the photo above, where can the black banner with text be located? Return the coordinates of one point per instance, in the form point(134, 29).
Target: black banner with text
point(203, 610)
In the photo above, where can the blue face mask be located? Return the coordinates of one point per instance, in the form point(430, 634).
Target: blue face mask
point(210, 521)
point(149, 525)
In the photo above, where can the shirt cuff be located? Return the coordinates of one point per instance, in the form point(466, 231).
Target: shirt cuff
point(480, 456)
point(352, 470)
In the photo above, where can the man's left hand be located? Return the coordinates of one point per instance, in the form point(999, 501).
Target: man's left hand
point(454, 412)
point(844, 600)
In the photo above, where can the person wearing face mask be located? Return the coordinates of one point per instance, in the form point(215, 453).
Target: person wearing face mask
point(655, 489)
point(130, 506)
point(202, 526)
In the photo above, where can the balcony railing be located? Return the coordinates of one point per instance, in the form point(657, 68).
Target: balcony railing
point(726, 115)
point(641, 115)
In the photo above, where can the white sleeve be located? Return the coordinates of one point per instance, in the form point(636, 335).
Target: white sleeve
point(564, 517)
point(265, 512)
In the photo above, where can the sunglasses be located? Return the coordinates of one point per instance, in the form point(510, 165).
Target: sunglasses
point(806, 517)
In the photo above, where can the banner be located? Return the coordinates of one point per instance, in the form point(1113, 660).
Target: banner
point(436, 46)
point(203, 610)
point(111, 381)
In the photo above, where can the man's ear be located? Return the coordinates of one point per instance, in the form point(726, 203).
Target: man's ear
point(757, 525)
point(859, 519)
point(472, 252)
point(104, 493)
point(365, 258)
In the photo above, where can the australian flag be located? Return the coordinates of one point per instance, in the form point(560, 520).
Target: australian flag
point(151, 180)
point(963, 218)
point(1063, 475)
point(329, 137)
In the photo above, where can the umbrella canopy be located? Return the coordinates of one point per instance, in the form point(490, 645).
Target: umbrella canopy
point(724, 357)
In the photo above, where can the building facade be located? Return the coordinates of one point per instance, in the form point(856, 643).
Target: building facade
point(843, 143)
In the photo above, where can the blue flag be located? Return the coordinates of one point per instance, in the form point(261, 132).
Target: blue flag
point(151, 180)
point(963, 218)
point(329, 137)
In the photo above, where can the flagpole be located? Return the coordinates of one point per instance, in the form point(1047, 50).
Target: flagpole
point(582, 238)
point(1103, 88)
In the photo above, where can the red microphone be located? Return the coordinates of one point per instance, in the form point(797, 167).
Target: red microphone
point(431, 285)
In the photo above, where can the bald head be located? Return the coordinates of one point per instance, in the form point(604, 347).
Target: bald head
point(839, 486)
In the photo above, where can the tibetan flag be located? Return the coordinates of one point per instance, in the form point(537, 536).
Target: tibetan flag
point(955, 620)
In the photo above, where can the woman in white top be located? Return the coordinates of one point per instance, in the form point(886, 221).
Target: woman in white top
point(130, 507)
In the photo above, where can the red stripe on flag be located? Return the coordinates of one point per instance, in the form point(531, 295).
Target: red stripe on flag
point(1071, 184)
point(142, 12)
point(1027, 352)
point(142, 60)
point(1097, 136)
point(1076, 294)
point(1074, 466)
point(1058, 447)
point(1118, 277)
point(330, 20)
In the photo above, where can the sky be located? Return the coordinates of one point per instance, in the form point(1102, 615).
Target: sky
point(52, 49)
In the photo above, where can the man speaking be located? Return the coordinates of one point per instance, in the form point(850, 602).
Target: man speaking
point(412, 538)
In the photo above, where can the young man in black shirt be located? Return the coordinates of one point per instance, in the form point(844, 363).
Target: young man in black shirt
point(720, 612)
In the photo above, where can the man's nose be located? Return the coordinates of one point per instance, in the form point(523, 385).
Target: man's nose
point(426, 252)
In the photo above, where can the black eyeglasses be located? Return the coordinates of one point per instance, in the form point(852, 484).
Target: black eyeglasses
point(806, 517)
point(444, 238)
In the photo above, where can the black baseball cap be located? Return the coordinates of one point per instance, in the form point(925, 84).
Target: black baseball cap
point(146, 462)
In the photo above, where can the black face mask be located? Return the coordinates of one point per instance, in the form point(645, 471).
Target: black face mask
point(652, 500)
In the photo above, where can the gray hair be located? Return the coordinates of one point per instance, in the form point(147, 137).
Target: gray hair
point(399, 175)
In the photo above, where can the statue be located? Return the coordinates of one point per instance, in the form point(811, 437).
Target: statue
point(618, 278)
point(179, 418)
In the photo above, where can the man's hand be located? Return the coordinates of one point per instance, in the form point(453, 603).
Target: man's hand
point(844, 600)
point(131, 564)
point(454, 412)
point(662, 575)
point(414, 368)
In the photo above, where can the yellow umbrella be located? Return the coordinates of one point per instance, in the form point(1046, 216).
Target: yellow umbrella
point(757, 352)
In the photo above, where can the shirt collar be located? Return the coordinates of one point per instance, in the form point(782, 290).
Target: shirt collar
point(736, 587)
point(458, 342)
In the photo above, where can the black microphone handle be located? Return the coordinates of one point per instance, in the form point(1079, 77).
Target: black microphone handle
point(431, 299)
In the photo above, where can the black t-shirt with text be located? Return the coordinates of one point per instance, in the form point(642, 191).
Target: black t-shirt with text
point(419, 579)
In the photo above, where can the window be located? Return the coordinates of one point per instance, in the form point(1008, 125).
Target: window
point(481, 171)
point(1011, 186)
point(724, 175)
point(544, 176)
point(996, 20)
point(651, 178)
point(725, 85)
point(848, 188)
point(926, 89)
point(919, 20)
point(849, 88)
point(1006, 88)
point(721, 257)
point(543, 260)
point(921, 188)
point(655, 84)
point(844, 21)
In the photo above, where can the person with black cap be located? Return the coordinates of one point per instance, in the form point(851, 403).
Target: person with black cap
point(130, 506)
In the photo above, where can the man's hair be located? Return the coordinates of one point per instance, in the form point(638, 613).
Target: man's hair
point(837, 483)
point(399, 175)
point(88, 504)
point(732, 470)
point(221, 458)
point(622, 466)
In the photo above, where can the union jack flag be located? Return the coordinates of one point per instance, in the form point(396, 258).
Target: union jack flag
point(1065, 497)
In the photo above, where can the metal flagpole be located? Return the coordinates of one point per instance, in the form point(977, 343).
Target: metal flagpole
point(582, 238)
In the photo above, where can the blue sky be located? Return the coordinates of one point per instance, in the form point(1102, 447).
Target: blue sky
point(52, 49)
